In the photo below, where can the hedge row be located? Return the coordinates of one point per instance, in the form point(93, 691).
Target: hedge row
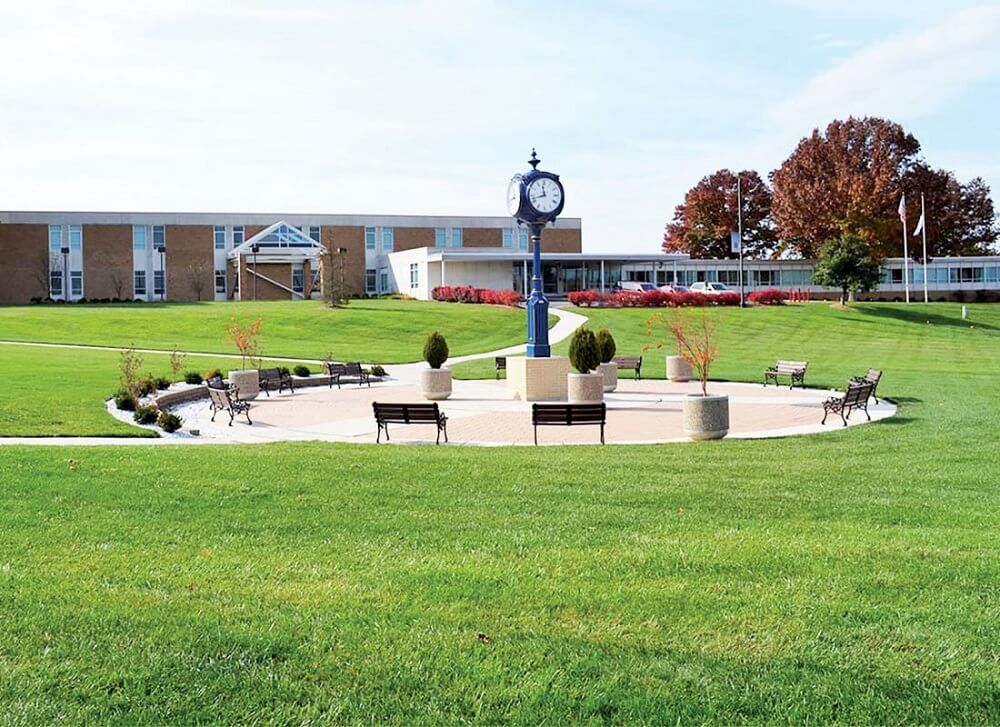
point(651, 299)
point(468, 294)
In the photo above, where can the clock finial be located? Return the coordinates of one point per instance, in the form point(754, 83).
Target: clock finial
point(534, 161)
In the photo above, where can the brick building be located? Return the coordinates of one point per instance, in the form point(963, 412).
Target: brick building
point(201, 256)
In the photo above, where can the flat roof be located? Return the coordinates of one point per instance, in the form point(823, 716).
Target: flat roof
point(265, 219)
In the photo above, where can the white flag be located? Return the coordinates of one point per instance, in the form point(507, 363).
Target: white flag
point(920, 225)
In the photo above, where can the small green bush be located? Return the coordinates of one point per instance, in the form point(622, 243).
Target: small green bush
point(214, 373)
point(161, 383)
point(376, 370)
point(146, 386)
point(124, 401)
point(145, 415)
point(169, 422)
point(192, 377)
point(606, 346)
point(435, 350)
point(282, 369)
point(301, 370)
point(583, 351)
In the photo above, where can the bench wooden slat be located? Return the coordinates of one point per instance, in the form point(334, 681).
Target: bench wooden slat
point(568, 415)
point(393, 413)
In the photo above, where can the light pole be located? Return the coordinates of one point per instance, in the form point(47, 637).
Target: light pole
point(739, 230)
point(65, 281)
point(255, 248)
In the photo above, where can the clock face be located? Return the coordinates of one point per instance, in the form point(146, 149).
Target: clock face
point(514, 195)
point(544, 194)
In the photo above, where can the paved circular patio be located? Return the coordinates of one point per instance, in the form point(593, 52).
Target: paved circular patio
point(482, 413)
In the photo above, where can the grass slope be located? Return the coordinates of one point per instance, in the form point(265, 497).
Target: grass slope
point(374, 331)
point(849, 578)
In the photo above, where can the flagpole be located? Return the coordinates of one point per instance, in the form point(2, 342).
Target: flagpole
point(739, 225)
point(906, 252)
point(923, 229)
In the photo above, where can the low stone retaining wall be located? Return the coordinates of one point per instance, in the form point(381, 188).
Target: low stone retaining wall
point(168, 399)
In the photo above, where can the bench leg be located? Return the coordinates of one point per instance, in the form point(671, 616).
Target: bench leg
point(232, 416)
point(843, 418)
point(826, 413)
point(214, 412)
point(536, 435)
point(264, 389)
point(602, 434)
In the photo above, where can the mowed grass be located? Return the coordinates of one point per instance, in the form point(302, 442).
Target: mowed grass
point(372, 331)
point(850, 578)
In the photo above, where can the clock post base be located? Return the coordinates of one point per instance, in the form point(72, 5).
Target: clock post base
point(537, 379)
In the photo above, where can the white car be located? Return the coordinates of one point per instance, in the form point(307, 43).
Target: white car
point(708, 288)
point(631, 286)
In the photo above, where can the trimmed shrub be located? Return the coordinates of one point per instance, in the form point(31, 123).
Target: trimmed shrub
point(169, 422)
point(145, 415)
point(768, 296)
point(146, 386)
point(124, 400)
point(192, 377)
point(606, 345)
point(161, 383)
point(584, 298)
point(213, 374)
point(302, 371)
point(376, 370)
point(583, 352)
point(435, 350)
point(468, 294)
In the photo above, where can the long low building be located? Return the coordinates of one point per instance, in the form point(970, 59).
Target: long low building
point(201, 256)
point(418, 271)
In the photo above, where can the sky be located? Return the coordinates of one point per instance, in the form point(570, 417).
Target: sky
point(429, 106)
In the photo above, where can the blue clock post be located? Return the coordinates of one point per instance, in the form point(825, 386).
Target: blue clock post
point(535, 199)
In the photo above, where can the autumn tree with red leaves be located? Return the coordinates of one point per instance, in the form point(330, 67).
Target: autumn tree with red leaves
point(960, 217)
point(702, 223)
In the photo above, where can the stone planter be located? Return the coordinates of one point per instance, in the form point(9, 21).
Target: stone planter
point(678, 368)
point(610, 373)
point(585, 388)
point(247, 383)
point(706, 417)
point(435, 383)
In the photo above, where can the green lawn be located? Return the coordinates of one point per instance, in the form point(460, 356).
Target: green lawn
point(374, 331)
point(849, 578)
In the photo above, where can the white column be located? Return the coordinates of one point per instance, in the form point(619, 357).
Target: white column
point(602, 277)
point(442, 270)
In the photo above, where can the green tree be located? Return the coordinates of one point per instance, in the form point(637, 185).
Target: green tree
point(846, 262)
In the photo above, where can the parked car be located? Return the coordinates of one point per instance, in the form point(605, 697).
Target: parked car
point(709, 288)
point(673, 289)
point(631, 286)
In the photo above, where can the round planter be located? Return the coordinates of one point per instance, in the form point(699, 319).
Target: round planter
point(585, 388)
point(247, 383)
point(610, 373)
point(678, 368)
point(706, 417)
point(435, 383)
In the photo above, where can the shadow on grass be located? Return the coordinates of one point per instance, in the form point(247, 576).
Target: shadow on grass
point(922, 317)
point(897, 420)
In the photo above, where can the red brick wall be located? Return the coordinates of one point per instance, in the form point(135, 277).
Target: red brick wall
point(107, 261)
point(190, 262)
point(353, 239)
point(482, 237)
point(24, 262)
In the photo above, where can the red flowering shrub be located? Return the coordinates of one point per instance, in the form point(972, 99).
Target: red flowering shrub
point(768, 296)
point(468, 294)
point(730, 297)
point(584, 298)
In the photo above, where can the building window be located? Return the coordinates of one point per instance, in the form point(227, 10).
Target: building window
point(298, 279)
point(55, 238)
point(765, 277)
point(138, 237)
point(314, 233)
point(414, 275)
point(966, 275)
point(729, 277)
point(387, 239)
point(508, 237)
point(239, 235)
point(75, 237)
point(55, 283)
point(76, 283)
point(157, 282)
point(440, 237)
point(140, 282)
point(370, 278)
point(522, 239)
point(896, 276)
point(159, 237)
point(220, 281)
point(220, 237)
point(369, 238)
point(456, 237)
point(383, 279)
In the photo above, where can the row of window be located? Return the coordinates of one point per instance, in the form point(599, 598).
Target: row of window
point(939, 275)
point(139, 283)
point(388, 239)
point(56, 283)
point(521, 236)
point(443, 239)
point(75, 235)
point(141, 234)
point(376, 281)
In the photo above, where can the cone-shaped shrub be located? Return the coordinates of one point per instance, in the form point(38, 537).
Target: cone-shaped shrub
point(583, 351)
point(435, 350)
point(606, 346)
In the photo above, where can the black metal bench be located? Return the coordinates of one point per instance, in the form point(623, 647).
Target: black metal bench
point(501, 365)
point(223, 399)
point(386, 414)
point(629, 362)
point(338, 373)
point(794, 371)
point(568, 415)
point(271, 378)
point(856, 397)
point(872, 377)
